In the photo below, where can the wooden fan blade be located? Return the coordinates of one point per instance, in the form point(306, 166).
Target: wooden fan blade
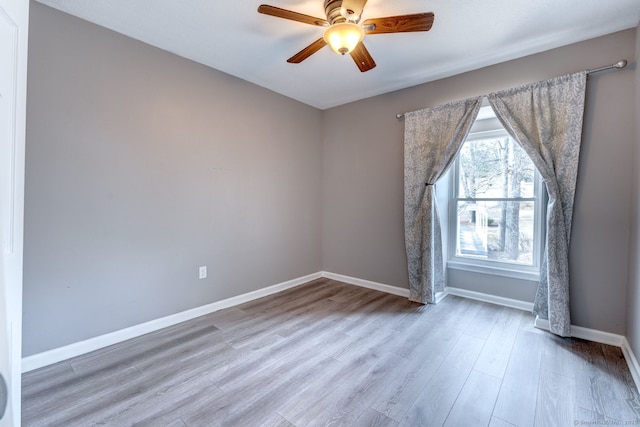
point(352, 7)
point(362, 58)
point(399, 24)
point(307, 51)
point(293, 16)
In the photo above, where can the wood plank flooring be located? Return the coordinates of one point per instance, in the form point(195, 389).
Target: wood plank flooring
point(328, 353)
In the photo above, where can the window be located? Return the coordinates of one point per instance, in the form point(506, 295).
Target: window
point(496, 208)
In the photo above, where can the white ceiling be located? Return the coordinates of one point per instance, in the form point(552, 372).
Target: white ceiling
point(231, 36)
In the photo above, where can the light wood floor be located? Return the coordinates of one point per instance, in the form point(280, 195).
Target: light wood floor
point(328, 353)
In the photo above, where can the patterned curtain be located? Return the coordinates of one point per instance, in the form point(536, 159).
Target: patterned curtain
point(546, 119)
point(432, 138)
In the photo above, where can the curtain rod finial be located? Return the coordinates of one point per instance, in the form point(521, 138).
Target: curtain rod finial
point(621, 64)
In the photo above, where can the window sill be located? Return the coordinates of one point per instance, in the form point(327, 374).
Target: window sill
point(498, 270)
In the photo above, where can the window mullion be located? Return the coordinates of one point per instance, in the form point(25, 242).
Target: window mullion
point(496, 199)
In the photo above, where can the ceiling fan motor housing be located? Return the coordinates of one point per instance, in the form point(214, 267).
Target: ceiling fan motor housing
point(332, 10)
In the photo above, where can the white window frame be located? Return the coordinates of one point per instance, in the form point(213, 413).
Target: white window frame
point(519, 271)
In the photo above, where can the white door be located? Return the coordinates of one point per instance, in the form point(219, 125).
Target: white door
point(14, 25)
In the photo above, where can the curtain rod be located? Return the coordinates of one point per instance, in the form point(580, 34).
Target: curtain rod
point(620, 64)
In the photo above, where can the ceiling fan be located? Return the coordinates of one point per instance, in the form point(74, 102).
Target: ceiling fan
point(344, 33)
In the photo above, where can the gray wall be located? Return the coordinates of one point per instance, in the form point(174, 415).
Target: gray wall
point(142, 166)
point(633, 295)
point(363, 177)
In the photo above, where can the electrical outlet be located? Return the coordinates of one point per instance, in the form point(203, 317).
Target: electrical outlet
point(202, 272)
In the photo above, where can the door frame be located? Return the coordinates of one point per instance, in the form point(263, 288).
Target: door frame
point(14, 28)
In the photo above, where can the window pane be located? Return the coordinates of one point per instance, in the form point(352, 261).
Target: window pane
point(498, 231)
point(495, 168)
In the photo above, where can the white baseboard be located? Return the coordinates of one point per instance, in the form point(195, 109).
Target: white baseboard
point(493, 299)
point(394, 290)
point(631, 361)
point(586, 333)
point(50, 357)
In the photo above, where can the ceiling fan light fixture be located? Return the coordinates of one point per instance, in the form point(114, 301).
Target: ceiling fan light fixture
point(343, 37)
